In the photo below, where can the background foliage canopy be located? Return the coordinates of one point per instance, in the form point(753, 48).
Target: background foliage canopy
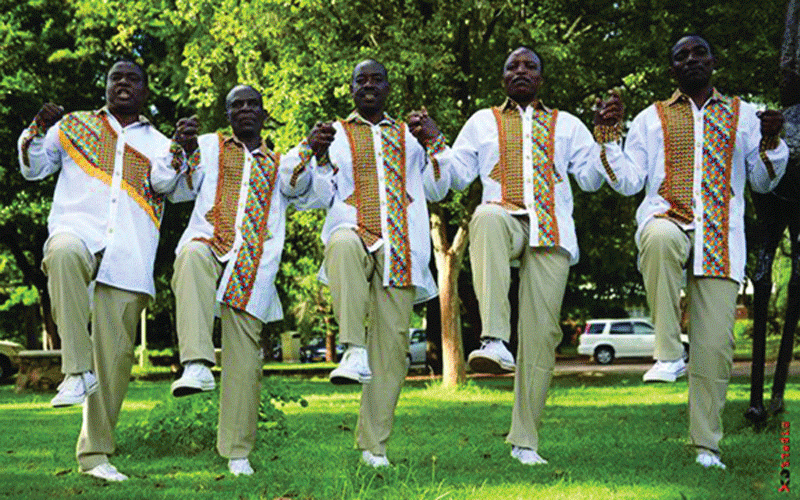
point(444, 54)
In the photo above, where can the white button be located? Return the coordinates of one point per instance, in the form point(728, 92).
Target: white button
point(113, 200)
point(110, 230)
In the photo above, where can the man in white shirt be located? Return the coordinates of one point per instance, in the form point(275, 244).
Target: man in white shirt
point(103, 228)
point(523, 151)
point(377, 245)
point(229, 256)
point(697, 148)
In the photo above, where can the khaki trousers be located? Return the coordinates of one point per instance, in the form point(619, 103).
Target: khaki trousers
point(70, 267)
point(194, 281)
point(664, 252)
point(496, 238)
point(358, 294)
point(116, 314)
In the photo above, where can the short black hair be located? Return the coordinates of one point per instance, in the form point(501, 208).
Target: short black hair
point(145, 77)
point(373, 61)
point(538, 56)
point(235, 87)
point(688, 35)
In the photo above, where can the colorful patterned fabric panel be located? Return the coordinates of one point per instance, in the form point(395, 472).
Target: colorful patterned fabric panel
point(223, 214)
point(721, 120)
point(90, 141)
point(136, 182)
point(508, 171)
point(255, 230)
point(365, 195)
point(542, 140)
point(394, 164)
point(678, 128)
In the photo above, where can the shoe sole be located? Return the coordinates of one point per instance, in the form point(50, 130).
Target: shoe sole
point(665, 380)
point(180, 391)
point(68, 403)
point(349, 380)
point(480, 364)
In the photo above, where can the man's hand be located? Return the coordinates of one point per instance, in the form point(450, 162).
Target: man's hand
point(611, 111)
point(186, 133)
point(320, 138)
point(771, 122)
point(48, 116)
point(422, 126)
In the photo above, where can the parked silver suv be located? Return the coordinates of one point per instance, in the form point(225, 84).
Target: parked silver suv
point(608, 339)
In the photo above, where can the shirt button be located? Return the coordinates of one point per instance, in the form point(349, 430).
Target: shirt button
point(110, 230)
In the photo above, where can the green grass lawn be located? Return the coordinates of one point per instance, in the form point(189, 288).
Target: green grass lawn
point(606, 437)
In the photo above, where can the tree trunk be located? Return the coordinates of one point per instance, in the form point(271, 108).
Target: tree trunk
point(453, 369)
point(448, 266)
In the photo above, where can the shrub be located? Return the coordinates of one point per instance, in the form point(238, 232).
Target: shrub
point(189, 425)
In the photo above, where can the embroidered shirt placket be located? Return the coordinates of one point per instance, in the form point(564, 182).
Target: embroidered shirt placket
point(697, 181)
point(116, 185)
point(377, 144)
point(527, 172)
point(244, 188)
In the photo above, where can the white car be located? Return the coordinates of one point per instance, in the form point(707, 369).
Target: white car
point(608, 339)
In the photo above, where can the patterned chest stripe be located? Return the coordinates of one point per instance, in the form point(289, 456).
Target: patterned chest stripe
point(255, 231)
point(395, 178)
point(90, 141)
point(365, 197)
point(719, 139)
point(542, 131)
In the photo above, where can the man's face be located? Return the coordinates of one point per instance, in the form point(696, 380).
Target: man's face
point(369, 88)
point(126, 90)
point(692, 63)
point(522, 75)
point(245, 111)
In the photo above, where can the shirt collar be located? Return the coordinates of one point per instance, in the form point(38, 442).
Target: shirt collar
point(261, 150)
point(355, 117)
point(716, 96)
point(510, 104)
point(142, 120)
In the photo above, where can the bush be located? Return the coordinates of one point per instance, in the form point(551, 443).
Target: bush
point(189, 425)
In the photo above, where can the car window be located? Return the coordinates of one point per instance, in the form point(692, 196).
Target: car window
point(595, 328)
point(623, 327)
point(643, 329)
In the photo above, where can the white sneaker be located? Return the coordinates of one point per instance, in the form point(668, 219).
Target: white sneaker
point(106, 471)
point(74, 389)
point(666, 371)
point(240, 466)
point(353, 369)
point(374, 461)
point(709, 460)
point(527, 456)
point(492, 357)
point(196, 378)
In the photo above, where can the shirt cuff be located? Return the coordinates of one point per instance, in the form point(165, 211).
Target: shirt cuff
point(305, 152)
point(33, 131)
point(608, 133)
point(434, 147)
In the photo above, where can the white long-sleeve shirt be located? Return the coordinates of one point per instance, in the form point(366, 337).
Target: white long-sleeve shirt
point(424, 181)
point(198, 180)
point(104, 197)
point(645, 146)
point(476, 152)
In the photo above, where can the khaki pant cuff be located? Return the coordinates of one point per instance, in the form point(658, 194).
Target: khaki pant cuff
point(87, 462)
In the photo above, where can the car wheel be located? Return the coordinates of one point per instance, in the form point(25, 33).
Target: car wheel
point(604, 355)
point(686, 353)
point(6, 368)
